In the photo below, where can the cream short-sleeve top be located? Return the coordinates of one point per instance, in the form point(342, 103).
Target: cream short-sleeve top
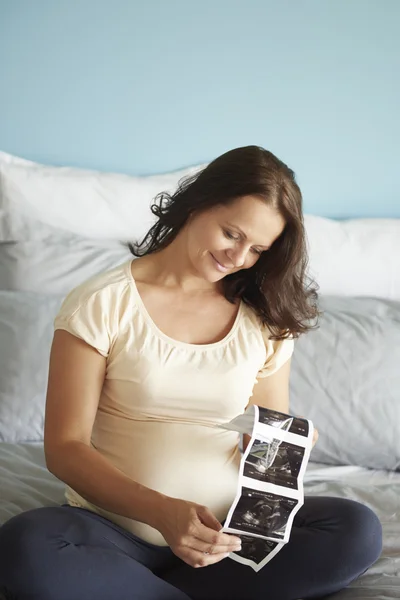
point(162, 399)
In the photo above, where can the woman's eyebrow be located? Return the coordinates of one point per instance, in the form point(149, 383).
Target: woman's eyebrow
point(244, 235)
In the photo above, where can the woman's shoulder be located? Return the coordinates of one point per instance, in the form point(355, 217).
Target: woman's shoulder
point(277, 351)
point(98, 298)
point(107, 285)
point(92, 310)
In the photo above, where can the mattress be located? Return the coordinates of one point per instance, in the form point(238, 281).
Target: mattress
point(25, 483)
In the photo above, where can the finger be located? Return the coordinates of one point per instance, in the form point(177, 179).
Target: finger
point(315, 433)
point(207, 518)
point(208, 525)
point(213, 538)
point(199, 559)
point(204, 560)
point(315, 437)
point(234, 545)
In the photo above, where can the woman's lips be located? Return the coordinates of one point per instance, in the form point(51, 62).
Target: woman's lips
point(219, 266)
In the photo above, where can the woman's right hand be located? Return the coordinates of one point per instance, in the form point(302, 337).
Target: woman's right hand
point(193, 533)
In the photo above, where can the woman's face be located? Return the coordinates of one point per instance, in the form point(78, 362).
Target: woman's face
point(228, 238)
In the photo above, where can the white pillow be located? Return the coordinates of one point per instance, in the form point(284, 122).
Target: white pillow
point(26, 332)
point(61, 225)
point(345, 377)
point(15, 160)
point(353, 257)
point(357, 257)
point(58, 264)
point(92, 204)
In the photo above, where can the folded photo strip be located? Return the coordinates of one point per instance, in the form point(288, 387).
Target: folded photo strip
point(270, 483)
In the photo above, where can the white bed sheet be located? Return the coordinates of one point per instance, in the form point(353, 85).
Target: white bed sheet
point(25, 483)
point(380, 490)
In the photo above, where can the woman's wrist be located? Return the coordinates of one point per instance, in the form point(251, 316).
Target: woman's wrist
point(148, 506)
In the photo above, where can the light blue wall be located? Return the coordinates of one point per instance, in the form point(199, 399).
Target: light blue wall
point(153, 85)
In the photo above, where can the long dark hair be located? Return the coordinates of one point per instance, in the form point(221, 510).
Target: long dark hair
point(277, 287)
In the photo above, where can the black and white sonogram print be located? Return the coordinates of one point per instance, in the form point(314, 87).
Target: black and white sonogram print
point(282, 421)
point(275, 462)
point(262, 513)
point(255, 549)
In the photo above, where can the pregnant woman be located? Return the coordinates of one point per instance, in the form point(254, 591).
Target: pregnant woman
point(146, 360)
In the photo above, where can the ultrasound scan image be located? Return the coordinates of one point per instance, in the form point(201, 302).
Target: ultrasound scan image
point(274, 462)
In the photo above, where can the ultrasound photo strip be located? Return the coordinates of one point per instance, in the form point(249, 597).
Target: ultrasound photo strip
point(270, 483)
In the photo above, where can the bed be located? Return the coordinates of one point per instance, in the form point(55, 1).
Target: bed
point(60, 226)
point(26, 484)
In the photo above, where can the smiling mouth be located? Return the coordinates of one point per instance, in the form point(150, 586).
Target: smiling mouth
point(219, 266)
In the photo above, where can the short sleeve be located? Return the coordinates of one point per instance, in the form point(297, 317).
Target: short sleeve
point(87, 314)
point(278, 353)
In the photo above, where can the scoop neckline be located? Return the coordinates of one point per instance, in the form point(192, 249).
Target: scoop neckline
point(146, 315)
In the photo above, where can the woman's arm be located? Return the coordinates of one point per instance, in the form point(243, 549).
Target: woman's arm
point(272, 392)
point(76, 378)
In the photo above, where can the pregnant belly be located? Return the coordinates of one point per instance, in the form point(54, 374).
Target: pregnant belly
point(186, 461)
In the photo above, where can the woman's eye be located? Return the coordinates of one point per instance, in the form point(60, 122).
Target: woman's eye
point(229, 235)
point(259, 252)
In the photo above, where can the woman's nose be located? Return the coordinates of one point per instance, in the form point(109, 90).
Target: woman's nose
point(237, 256)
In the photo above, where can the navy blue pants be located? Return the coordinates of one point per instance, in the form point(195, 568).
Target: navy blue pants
point(65, 553)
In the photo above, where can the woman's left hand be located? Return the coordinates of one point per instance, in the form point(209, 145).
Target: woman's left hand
point(315, 437)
